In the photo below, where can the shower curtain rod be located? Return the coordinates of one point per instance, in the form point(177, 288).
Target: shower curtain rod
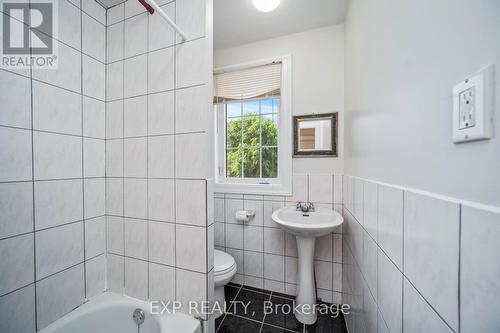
point(151, 6)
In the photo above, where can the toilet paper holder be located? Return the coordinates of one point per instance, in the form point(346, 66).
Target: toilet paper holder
point(244, 215)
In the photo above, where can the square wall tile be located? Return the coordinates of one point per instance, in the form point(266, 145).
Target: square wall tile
point(114, 119)
point(59, 294)
point(94, 118)
point(190, 286)
point(114, 234)
point(16, 109)
point(191, 243)
point(56, 109)
point(234, 236)
point(135, 75)
point(69, 24)
point(57, 156)
point(161, 70)
point(323, 274)
point(94, 78)
point(16, 208)
point(370, 263)
point(324, 248)
point(114, 42)
point(390, 293)
point(190, 70)
point(291, 265)
point(274, 241)
point(136, 237)
point(161, 113)
point(274, 267)
point(191, 202)
point(338, 189)
point(191, 109)
point(161, 200)
point(17, 311)
point(94, 37)
point(15, 154)
point(16, 267)
point(95, 275)
point(58, 202)
point(191, 15)
point(135, 198)
point(219, 210)
point(94, 157)
point(58, 248)
point(431, 251)
point(418, 316)
point(115, 14)
point(160, 33)
point(254, 264)
point(161, 156)
point(479, 276)
point(161, 282)
point(390, 223)
point(94, 197)
point(136, 35)
point(114, 80)
point(136, 277)
point(114, 196)
point(95, 237)
point(115, 267)
point(114, 158)
point(219, 234)
point(135, 155)
point(192, 163)
point(269, 208)
point(253, 238)
point(135, 116)
point(162, 243)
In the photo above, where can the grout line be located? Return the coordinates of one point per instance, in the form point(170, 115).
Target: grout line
point(33, 184)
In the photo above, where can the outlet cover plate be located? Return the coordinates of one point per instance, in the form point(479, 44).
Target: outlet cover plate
point(473, 106)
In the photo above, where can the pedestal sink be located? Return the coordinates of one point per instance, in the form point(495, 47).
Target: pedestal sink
point(306, 227)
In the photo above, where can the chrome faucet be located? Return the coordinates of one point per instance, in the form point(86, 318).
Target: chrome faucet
point(305, 207)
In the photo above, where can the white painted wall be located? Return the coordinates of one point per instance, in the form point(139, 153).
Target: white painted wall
point(318, 79)
point(402, 59)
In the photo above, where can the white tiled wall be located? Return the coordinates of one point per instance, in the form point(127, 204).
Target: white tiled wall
point(159, 201)
point(418, 262)
point(52, 185)
point(266, 256)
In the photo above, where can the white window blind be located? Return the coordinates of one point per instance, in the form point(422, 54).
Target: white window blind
point(255, 82)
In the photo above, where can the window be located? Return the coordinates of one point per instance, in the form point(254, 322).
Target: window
point(253, 128)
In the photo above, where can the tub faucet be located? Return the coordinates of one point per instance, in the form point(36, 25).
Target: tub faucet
point(305, 207)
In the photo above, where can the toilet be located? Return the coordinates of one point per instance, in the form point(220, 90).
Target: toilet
point(224, 270)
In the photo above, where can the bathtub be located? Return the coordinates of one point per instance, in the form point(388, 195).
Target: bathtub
point(112, 313)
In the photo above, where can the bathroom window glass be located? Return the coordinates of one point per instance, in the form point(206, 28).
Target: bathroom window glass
point(252, 127)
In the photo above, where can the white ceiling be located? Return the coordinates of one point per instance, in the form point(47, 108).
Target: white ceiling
point(238, 22)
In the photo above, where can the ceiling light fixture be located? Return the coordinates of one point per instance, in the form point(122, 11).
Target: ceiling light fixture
point(266, 6)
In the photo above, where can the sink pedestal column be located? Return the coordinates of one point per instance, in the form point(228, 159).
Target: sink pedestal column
point(306, 290)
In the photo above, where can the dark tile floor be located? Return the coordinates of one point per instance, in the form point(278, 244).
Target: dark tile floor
point(254, 320)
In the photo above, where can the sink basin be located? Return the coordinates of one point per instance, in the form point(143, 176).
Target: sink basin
point(306, 227)
point(313, 224)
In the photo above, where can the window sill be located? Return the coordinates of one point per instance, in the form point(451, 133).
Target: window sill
point(262, 189)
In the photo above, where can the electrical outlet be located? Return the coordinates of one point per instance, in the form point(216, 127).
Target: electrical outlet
point(467, 112)
point(473, 107)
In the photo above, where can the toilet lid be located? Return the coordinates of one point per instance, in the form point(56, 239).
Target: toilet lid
point(222, 261)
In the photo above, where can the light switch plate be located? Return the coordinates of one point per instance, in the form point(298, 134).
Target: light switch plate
point(473, 106)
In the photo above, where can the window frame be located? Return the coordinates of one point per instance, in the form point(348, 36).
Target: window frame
point(281, 185)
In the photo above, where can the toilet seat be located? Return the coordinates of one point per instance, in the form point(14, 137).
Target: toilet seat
point(223, 263)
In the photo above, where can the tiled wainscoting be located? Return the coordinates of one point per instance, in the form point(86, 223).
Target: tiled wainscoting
point(418, 262)
point(266, 256)
point(52, 176)
point(159, 204)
